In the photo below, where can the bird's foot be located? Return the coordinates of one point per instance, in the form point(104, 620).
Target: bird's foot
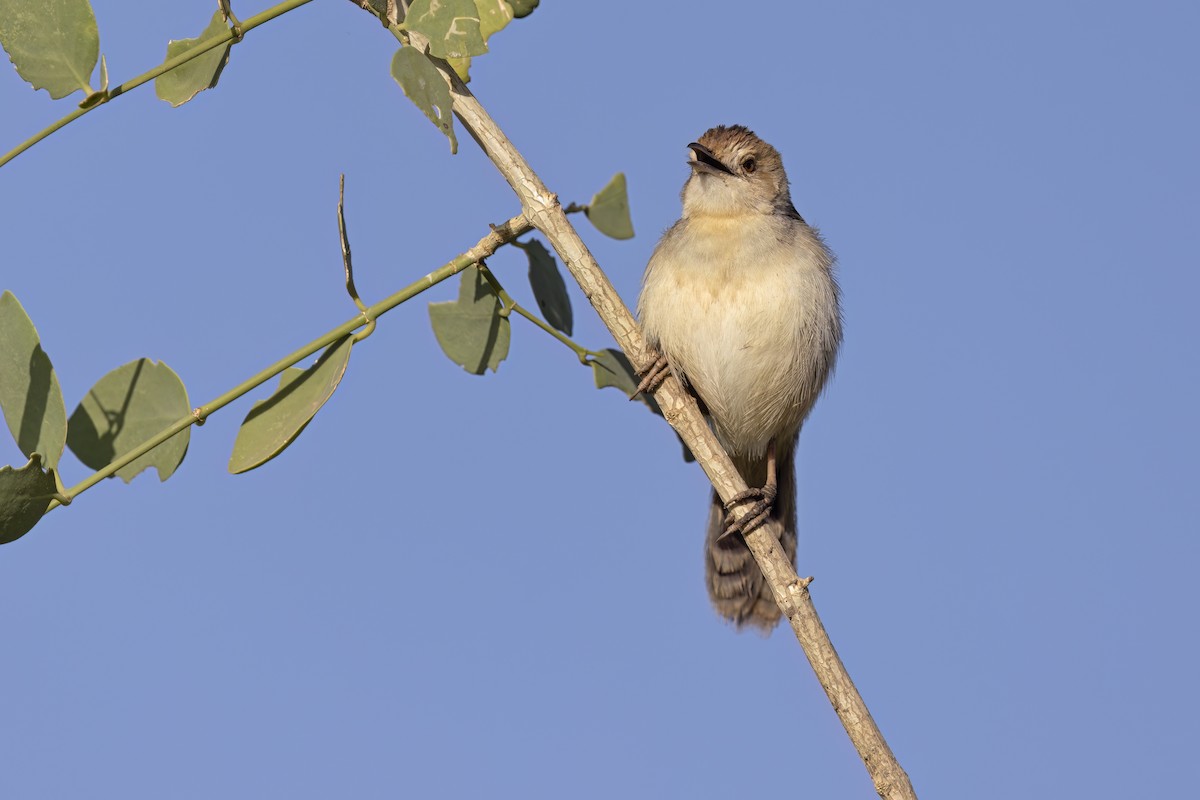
point(653, 374)
point(763, 501)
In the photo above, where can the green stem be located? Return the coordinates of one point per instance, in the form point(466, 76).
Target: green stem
point(145, 77)
point(500, 235)
point(581, 352)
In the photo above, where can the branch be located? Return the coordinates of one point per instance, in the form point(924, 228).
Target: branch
point(231, 35)
point(679, 408)
point(485, 247)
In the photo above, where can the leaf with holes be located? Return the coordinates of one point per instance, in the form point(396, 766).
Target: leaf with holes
point(424, 85)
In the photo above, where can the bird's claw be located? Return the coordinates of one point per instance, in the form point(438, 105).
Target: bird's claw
point(764, 502)
point(653, 375)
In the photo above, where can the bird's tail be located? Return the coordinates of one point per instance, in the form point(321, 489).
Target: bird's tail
point(736, 585)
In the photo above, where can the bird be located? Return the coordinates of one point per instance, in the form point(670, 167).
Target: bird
point(741, 303)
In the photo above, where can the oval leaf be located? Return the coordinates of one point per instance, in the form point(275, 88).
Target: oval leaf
point(470, 329)
point(24, 495)
point(549, 289)
point(273, 424)
point(202, 72)
point(54, 44)
point(426, 87)
point(609, 209)
point(452, 27)
point(125, 408)
point(30, 396)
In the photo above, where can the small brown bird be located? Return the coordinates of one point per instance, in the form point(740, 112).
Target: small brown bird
point(740, 299)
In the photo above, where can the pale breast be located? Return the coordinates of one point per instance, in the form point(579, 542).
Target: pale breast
point(748, 317)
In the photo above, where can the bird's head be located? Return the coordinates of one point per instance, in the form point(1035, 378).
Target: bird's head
point(734, 172)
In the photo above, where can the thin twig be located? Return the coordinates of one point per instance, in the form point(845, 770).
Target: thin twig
point(348, 264)
point(508, 304)
point(499, 235)
point(103, 98)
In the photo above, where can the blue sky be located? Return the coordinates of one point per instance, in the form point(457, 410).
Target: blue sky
point(455, 586)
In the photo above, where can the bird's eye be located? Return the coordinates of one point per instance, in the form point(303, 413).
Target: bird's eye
point(749, 165)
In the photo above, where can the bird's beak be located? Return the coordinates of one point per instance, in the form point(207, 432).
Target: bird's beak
point(705, 160)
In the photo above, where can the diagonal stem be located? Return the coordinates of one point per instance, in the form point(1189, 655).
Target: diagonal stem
point(146, 77)
point(500, 235)
point(506, 300)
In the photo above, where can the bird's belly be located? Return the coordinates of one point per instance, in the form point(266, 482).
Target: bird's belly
point(748, 316)
point(740, 350)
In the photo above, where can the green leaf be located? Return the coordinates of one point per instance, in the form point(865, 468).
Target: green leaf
point(189, 79)
point(461, 67)
point(273, 424)
point(494, 15)
point(609, 209)
point(30, 397)
point(426, 87)
point(470, 329)
point(24, 495)
point(523, 8)
point(54, 44)
point(549, 289)
point(452, 27)
point(125, 408)
point(612, 368)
